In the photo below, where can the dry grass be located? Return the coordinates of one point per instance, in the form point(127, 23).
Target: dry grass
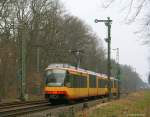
point(135, 105)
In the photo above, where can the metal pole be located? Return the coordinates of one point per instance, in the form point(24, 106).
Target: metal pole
point(23, 69)
point(118, 55)
point(108, 40)
point(78, 57)
point(118, 71)
point(77, 54)
point(149, 78)
point(22, 64)
point(38, 59)
point(109, 61)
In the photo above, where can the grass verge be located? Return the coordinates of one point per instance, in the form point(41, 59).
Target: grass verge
point(134, 105)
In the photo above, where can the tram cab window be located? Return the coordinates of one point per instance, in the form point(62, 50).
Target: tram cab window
point(55, 77)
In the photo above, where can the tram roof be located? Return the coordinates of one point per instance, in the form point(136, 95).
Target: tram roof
point(76, 69)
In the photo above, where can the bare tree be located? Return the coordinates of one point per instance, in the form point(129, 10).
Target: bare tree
point(136, 11)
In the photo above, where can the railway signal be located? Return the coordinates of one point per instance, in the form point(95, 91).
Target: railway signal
point(108, 40)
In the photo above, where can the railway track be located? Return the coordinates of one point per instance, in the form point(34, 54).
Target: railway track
point(18, 108)
point(17, 104)
point(28, 108)
point(15, 109)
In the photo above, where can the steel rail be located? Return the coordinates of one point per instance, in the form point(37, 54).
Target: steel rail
point(25, 110)
point(17, 104)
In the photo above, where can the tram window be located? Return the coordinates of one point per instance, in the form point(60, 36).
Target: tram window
point(92, 81)
point(78, 81)
point(84, 82)
point(67, 81)
point(102, 83)
point(81, 82)
point(74, 81)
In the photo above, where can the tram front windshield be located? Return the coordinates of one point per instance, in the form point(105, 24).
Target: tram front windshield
point(55, 77)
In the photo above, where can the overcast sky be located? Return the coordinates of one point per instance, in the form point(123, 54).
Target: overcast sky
point(132, 52)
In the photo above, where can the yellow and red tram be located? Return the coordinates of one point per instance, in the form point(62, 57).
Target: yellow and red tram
point(65, 82)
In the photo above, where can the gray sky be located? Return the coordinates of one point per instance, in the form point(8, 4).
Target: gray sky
point(132, 52)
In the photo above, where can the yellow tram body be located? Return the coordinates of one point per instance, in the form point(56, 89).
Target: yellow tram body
point(77, 84)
